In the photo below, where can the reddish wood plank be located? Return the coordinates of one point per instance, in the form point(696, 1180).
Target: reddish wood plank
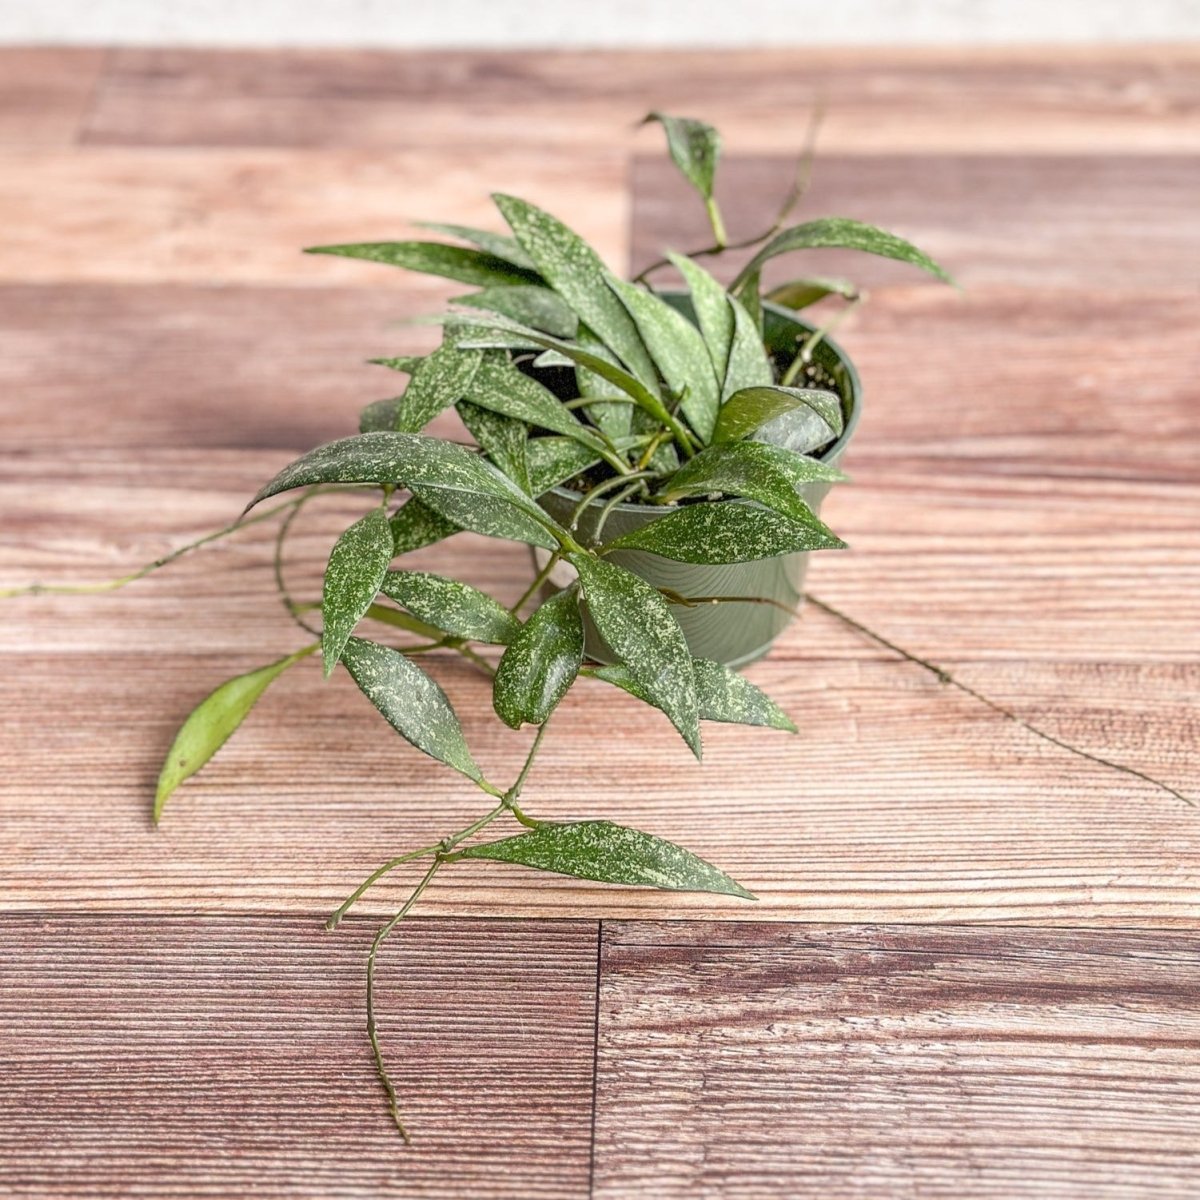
point(45, 92)
point(191, 1057)
point(793, 1061)
point(1137, 99)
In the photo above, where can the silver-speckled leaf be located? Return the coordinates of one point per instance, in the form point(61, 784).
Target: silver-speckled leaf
point(695, 148)
point(612, 418)
point(453, 607)
point(537, 307)
point(800, 293)
point(576, 272)
point(639, 628)
point(456, 483)
point(769, 474)
point(411, 703)
point(727, 532)
point(415, 525)
point(679, 351)
point(724, 695)
point(713, 314)
point(751, 407)
point(357, 564)
point(211, 724)
point(500, 386)
point(434, 258)
point(749, 363)
point(610, 853)
point(554, 460)
point(501, 438)
point(541, 662)
point(380, 415)
point(841, 233)
point(406, 363)
point(499, 245)
point(441, 381)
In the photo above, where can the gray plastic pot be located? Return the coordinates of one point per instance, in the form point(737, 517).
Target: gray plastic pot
point(729, 632)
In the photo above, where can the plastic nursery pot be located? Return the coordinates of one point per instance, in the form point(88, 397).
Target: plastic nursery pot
point(729, 632)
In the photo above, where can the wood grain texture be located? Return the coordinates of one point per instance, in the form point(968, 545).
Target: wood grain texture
point(189, 1057)
point(793, 1061)
point(102, 214)
point(1061, 99)
point(45, 93)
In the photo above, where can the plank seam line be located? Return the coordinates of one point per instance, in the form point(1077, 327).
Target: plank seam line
point(595, 1060)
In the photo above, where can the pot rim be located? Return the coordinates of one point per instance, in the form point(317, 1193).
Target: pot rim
point(832, 453)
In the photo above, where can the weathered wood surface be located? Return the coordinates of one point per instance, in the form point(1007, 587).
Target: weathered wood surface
point(179, 1056)
point(1023, 513)
point(799, 1061)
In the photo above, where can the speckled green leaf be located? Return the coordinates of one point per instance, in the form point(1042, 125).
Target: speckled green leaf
point(695, 148)
point(434, 258)
point(357, 564)
point(507, 334)
point(501, 438)
point(576, 272)
point(554, 460)
point(499, 385)
point(749, 364)
point(679, 351)
point(499, 245)
point(841, 233)
point(442, 380)
point(406, 363)
point(637, 625)
point(609, 853)
point(380, 415)
point(723, 695)
point(614, 418)
point(537, 307)
point(451, 606)
point(800, 293)
point(415, 707)
point(415, 525)
point(456, 483)
point(210, 725)
point(727, 532)
point(713, 314)
point(749, 408)
point(541, 662)
point(769, 474)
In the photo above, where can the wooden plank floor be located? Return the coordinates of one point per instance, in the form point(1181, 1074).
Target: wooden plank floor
point(173, 1020)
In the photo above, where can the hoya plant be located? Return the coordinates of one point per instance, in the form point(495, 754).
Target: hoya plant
point(697, 406)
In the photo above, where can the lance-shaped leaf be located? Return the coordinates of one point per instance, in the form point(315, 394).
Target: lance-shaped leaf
point(498, 385)
point(694, 147)
point(749, 364)
point(434, 258)
point(576, 272)
point(769, 474)
point(451, 606)
point(727, 532)
point(415, 525)
point(501, 438)
point(412, 703)
point(357, 564)
point(723, 694)
point(800, 293)
point(840, 233)
point(541, 662)
point(380, 415)
point(710, 302)
point(537, 307)
point(406, 363)
point(211, 723)
point(639, 628)
point(612, 418)
point(442, 380)
point(679, 351)
point(752, 407)
point(609, 853)
point(456, 483)
point(554, 460)
point(499, 245)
